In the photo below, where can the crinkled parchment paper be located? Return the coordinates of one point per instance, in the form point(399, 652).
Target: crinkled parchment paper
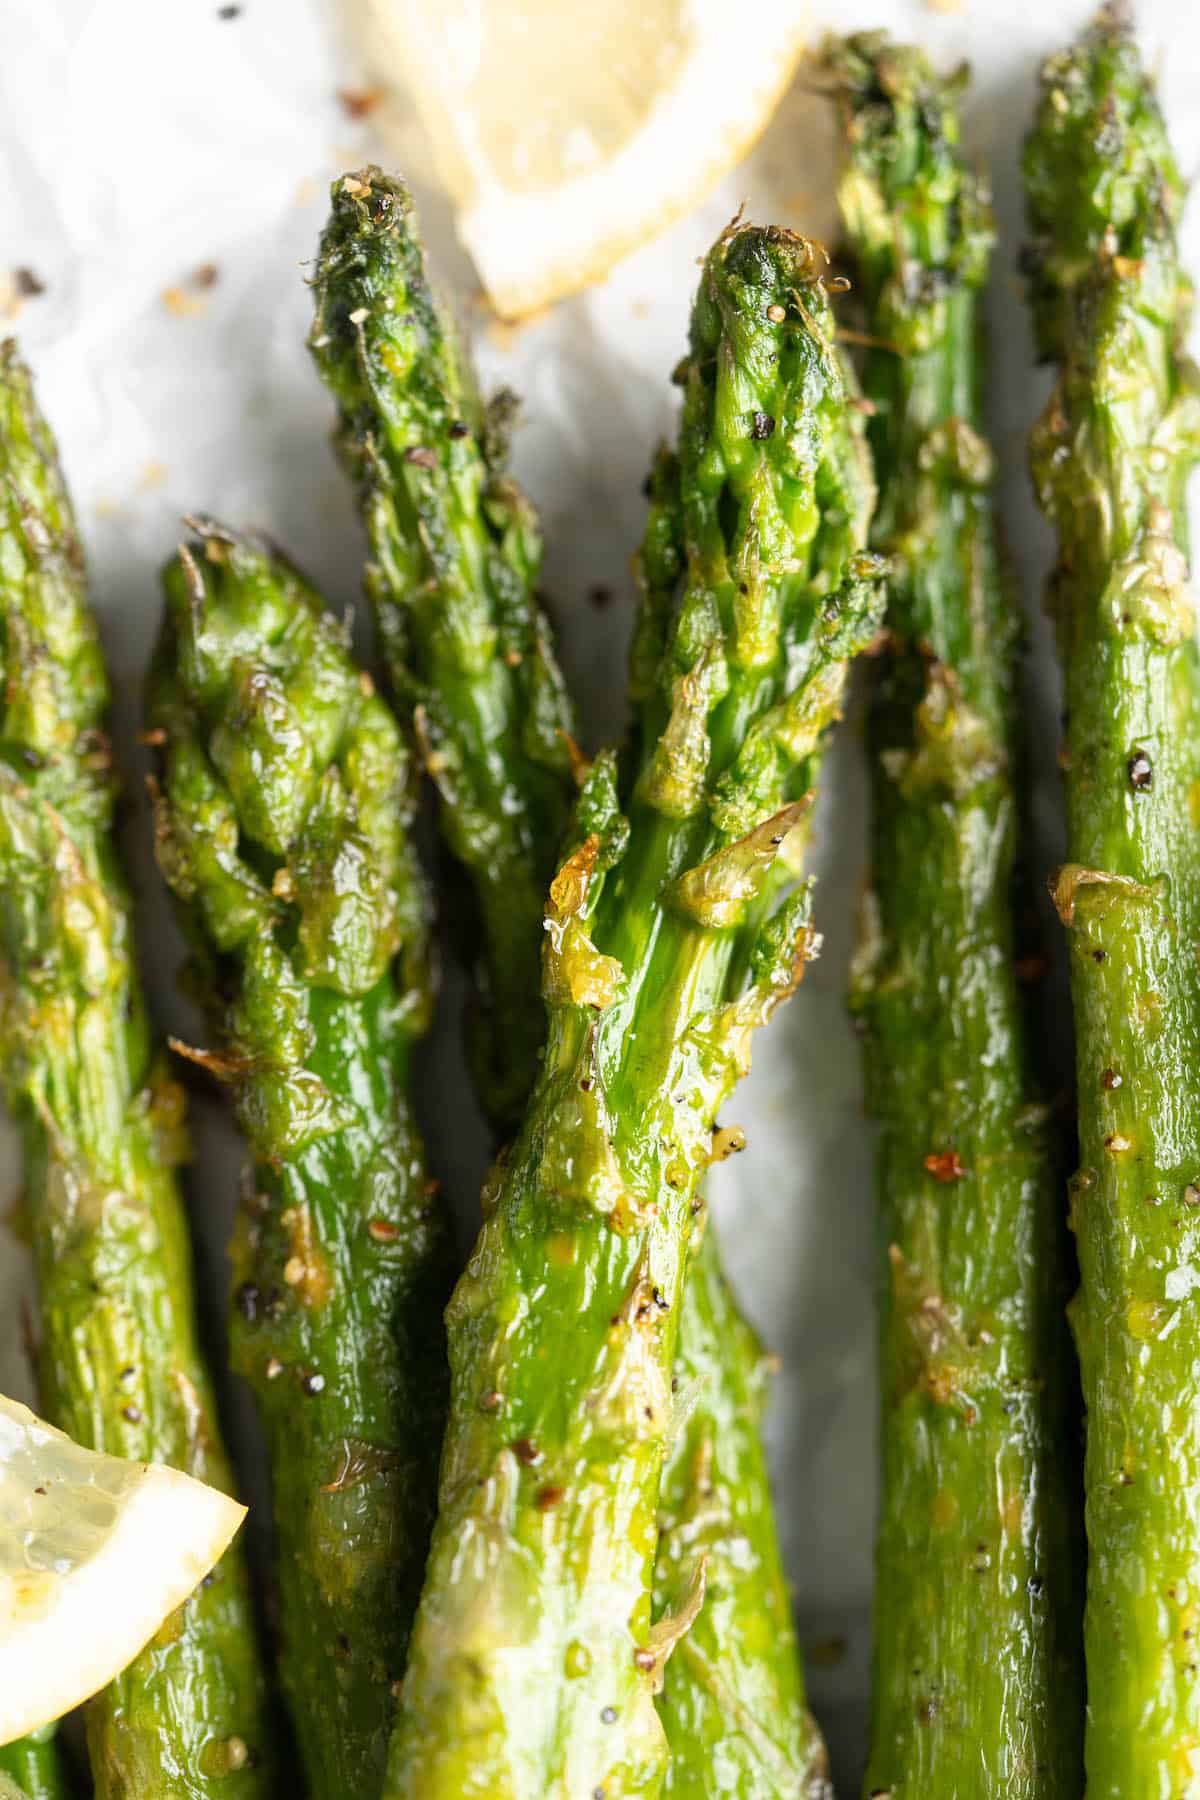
point(163, 171)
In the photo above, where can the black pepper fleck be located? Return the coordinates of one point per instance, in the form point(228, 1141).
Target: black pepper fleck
point(1140, 770)
point(247, 1301)
point(763, 426)
point(608, 1716)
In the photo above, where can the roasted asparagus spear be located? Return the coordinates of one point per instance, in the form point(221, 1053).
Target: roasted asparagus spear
point(120, 1366)
point(977, 1672)
point(534, 1663)
point(1111, 457)
point(33, 1768)
point(283, 828)
point(448, 527)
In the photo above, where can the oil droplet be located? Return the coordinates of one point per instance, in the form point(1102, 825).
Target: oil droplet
point(223, 1756)
point(578, 1660)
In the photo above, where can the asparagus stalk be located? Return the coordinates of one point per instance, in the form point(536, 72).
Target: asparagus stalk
point(455, 558)
point(456, 555)
point(1111, 457)
point(534, 1662)
point(732, 1701)
point(976, 1684)
point(103, 1127)
point(284, 829)
point(33, 1768)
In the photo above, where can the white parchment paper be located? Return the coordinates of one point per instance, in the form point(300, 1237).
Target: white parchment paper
point(163, 172)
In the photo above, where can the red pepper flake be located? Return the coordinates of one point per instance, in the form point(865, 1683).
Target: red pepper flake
point(360, 103)
point(383, 1231)
point(549, 1497)
point(945, 1165)
point(1110, 1080)
point(527, 1452)
point(645, 1660)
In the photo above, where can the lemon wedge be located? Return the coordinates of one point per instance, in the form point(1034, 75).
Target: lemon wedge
point(568, 135)
point(95, 1553)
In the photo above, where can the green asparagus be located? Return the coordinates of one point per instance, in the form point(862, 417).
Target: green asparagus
point(732, 1700)
point(1111, 457)
point(103, 1127)
point(976, 1683)
point(534, 1661)
point(455, 555)
point(33, 1769)
point(384, 346)
point(283, 826)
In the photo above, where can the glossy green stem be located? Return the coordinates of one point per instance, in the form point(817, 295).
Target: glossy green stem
point(534, 1662)
point(977, 1687)
point(415, 398)
point(35, 1768)
point(120, 1365)
point(732, 1701)
point(1111, 457)
point(455, 558)
point(733, 1693)
point(284, 822)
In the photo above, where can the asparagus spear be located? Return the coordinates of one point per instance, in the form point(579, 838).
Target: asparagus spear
point(455, 562)
point(533, 1662)
point(732, 1700)
point(33, 1768)
point(455, 555)
point(1111, 458)
point(284, 829)
point(976, 1688)
point(103, 1127)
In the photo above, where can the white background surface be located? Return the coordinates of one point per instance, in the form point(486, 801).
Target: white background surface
point(140, 140)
